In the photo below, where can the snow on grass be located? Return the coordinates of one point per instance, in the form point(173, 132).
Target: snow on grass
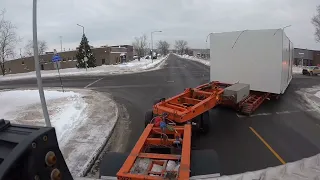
point(83, 120)
point(130, 67)
point(203, 61)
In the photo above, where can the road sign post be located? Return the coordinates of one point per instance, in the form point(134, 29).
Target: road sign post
point(55, 59)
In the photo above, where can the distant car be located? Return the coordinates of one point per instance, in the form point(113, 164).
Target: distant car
point(311, 70)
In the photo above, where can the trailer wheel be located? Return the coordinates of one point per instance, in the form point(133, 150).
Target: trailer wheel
point(204, 162)
point(156, 101)
point(204, 126)
point(148, 117)
point(111, 163)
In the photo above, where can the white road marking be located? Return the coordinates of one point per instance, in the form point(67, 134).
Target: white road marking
point(92, 83)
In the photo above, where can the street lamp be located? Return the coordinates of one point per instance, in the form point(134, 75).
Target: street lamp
point(37, 66)
point(85, 59)
point(82, 28)
point(152, 44)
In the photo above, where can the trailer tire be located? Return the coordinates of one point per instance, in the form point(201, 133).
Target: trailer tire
point(148, 117)
point(204, 162)
point(205, 118)
point(156, 101)
point(111, 163)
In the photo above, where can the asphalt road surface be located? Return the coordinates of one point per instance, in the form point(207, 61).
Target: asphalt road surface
point(279, 131)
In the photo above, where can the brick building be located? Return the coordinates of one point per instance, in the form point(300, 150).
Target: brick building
point(306, 57)
point(105, 55)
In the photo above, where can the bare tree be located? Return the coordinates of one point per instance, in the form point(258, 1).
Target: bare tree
point(140, 45)
point(8, 40)
point(163, 47)
point(180, 46)
point(42, 47)
point(316, 22)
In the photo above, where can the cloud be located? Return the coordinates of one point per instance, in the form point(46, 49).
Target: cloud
point(119, 21)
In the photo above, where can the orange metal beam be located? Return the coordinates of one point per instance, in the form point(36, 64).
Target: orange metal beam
point(179, 129)
point(159, 156)
point(158, 141)
point(135, 151)
point(128, 176)
point(184, 171)
point(191, 100)
point(175, 106)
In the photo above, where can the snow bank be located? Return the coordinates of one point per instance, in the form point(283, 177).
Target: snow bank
point(317, 94)
point(83, 120)
point(130, 67)
point(297, 69)
point(203, 61)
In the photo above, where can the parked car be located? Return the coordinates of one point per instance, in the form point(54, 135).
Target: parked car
point(311, 70)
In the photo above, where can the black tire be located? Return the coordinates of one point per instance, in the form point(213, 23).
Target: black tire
point(148, 117)
point(204, 162)
point(158, 100)
point(205, 122)
point(202, 123)
point(111, 163)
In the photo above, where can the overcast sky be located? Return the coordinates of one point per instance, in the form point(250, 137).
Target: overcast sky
point(113, 22)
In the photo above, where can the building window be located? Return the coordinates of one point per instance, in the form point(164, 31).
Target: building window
point(103, 61)
point(22, 62)
point(9, 70)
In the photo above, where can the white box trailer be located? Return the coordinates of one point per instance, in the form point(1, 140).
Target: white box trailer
point(261, 58)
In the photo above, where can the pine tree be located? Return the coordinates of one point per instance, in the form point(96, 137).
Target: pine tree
point(85, 51)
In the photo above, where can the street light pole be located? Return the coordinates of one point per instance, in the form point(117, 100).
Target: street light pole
point(61, 43)
point(85, 51)
point(37, 66)
point(152, 43)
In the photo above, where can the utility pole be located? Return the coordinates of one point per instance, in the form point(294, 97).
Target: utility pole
point(85, 51)
point(37, 66)
point(61, 43)
point(152, 44)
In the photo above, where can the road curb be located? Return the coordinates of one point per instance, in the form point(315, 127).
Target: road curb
point(90, 164)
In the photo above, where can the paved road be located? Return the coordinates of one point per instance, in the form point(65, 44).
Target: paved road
point(283, 130)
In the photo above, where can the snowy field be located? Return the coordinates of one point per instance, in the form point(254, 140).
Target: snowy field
point(203, 61)
point(83, 120)
point(130, 67)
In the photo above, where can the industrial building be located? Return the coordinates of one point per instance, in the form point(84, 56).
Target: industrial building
point(306, 57)
point(105, 55)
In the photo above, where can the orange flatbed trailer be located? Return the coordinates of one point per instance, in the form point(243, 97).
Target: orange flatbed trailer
point(192, 102)
point(182, 110)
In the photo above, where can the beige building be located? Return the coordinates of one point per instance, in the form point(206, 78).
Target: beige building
point(104, 55)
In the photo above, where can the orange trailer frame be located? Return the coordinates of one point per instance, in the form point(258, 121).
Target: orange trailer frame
point(192, 102)
point(181, 109)
point(146, 139)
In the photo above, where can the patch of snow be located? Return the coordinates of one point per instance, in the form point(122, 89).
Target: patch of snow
point(317, 94)
point(203, 61)
point(297, 69)
point(83, 120)
point(125, 68)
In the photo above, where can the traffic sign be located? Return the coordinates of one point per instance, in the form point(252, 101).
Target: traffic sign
point(56, 58)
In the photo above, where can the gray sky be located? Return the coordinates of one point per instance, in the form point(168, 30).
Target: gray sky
point(112, 22)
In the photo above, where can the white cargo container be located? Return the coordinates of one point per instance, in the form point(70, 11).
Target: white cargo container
point(261, 58)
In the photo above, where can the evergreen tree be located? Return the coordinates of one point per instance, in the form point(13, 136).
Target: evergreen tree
point(85, 51)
